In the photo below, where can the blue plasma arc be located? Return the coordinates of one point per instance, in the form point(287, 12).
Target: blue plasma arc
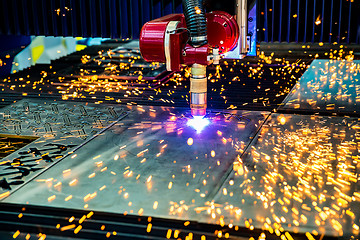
point(198, 123)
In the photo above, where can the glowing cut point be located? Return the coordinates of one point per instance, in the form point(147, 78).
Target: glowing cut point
point(198, 123)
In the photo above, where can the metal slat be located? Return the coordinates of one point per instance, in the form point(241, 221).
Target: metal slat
point(129, 20)
point(2, 18)
point(53, 18)
point(64, 28)
point(141, 13)
point(322, 22)
point(331, 21)
point(119, 18)
point(127, 226)
point(289, 19)
point(152, 9)
point(173, 6)
point(93, 18)
point(313, 23)
point(272, 21)
point(157, 9)
point(266, 22)
point(178, 6)
point(339, 30)
point(83, 19)
point(124, 19)
point(306, 20)
point(162, 8)
point(349, 25)
point(134, 17)
point(297, 21)
point(113, 20)
point(103, 26)
point(280, 20)
point(141, 17)
point(45, 7)
point(35, 17)
point(168, 8)
point(26, 17)
point(357, 37)
point(74, 22)
point(146, 11)
point(5, 16)
point(15, 17)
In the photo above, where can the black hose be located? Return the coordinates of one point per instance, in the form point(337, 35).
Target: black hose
point(195, 21)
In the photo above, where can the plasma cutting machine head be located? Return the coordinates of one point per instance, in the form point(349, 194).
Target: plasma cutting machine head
point(195, 39)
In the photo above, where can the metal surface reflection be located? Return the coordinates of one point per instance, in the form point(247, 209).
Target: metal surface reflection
point(150, 163)
point(300, 174)
point(328, 85)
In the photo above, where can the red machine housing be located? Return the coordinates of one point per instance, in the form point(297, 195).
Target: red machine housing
point(166, 39)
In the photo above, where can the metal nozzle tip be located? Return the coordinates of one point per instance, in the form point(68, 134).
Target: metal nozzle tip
point(201, 112)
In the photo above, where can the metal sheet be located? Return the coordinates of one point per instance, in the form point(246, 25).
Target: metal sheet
point(58, 127)
point(152, 163)
point(327, 85)
point(300, 174)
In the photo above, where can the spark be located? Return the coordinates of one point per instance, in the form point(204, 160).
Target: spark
point(197, 10)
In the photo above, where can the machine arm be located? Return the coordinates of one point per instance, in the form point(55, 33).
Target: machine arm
point(195, 39)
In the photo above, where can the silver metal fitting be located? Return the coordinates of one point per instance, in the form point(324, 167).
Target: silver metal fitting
point(198, 38)
point(198, 90)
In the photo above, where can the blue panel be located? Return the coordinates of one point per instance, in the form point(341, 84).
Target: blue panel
point(15, 18)
point(322, 25)
point(24, 11)
point(289, 21)
point(306, 19)
point(44, 17)
point(313, 22)
point(96, 18)
point(331, 19)
point(297, 21)
point(266, 26)
point(272, 20)
point(135, 19)
point(339, 23)
point(74, 23)
point(53, 18)
point(168, 8)
point(34, 15)
point(178, 7)
point(157, 8)
point(103, 24)
point(280, 20)
point(124, 19)
point(146, 11)
point(113, 21)
point(64, 29)
point(93, 18)
point(349, 24)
